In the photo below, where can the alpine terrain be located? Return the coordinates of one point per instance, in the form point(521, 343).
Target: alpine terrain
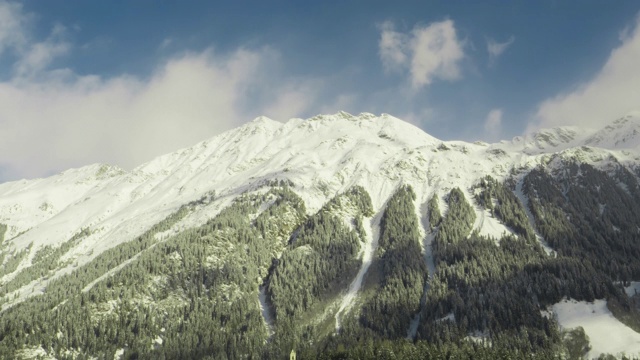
point(338, 236)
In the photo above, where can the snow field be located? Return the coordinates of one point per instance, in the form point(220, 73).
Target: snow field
point(607, 335)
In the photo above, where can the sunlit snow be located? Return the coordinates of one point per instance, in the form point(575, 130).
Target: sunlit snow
point(606, 333)
point(323, 156)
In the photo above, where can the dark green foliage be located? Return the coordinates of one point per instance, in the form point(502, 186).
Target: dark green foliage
point(44, 263)
point(198, 290)
point(323, 250)
point(356, 196)
point(498, 289)
point(64, 294)
point(628, 312)
point(576, 342)
point(320, 262)
point(402, 349)
point(433, 209)
point(504, 205)
point(388, 309)
point(456, 225)
point(182, 289)
point(3, 230)
point(12, 259)
point(585, 214)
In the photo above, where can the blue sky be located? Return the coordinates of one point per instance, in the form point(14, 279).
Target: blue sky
point(124, 81)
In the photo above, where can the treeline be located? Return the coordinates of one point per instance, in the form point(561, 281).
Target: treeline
point(44, 320)
point(12, 259)
point(395, 281)
point(45, 262)
point(321, 261)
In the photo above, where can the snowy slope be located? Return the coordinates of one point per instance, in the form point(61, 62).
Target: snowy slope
point(623, 133)
point(607, 335)
point(620, 134)
point(322, 156)
point(550, 140)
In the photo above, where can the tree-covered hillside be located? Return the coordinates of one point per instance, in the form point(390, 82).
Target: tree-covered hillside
point(263, 277)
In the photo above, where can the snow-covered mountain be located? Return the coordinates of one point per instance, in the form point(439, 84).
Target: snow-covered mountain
point(101, 206)
point(620, 134)
point(322, 156)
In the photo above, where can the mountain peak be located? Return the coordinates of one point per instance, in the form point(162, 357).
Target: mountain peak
point(555, 139)
point(263, 122)
point(261, 119)
point(622, 133)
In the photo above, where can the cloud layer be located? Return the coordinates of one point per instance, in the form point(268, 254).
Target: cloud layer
point(427, 52)
point(610, 94)
point(53, 119)
point(63, 120)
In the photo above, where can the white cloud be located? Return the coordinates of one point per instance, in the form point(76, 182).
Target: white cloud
point(493, 124)
point(428, 52)
point(53, 119)
point(611, 93)
point(393, 47)
point(421, 118)
point(495, 49)
point(292, 100)
point(64, 120)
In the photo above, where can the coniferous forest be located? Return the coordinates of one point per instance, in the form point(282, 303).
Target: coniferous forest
point(264, 277)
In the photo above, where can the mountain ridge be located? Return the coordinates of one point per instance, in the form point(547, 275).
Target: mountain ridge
point(352, 172)
point(268, 148)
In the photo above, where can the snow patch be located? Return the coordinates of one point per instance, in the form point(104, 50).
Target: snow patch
point(35, 353)
point(490, 227)
point(372, 235)
point(449, 317)
point(607, 335)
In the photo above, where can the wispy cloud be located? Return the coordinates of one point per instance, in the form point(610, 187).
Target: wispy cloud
point(166, 43)
point(427, 52)
point(393, 47)
point(493, 125)
point(495, 49)
point(32, 56)
point(64, 120)
point(37, 56)
point(611, 93)
point(12, 23)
